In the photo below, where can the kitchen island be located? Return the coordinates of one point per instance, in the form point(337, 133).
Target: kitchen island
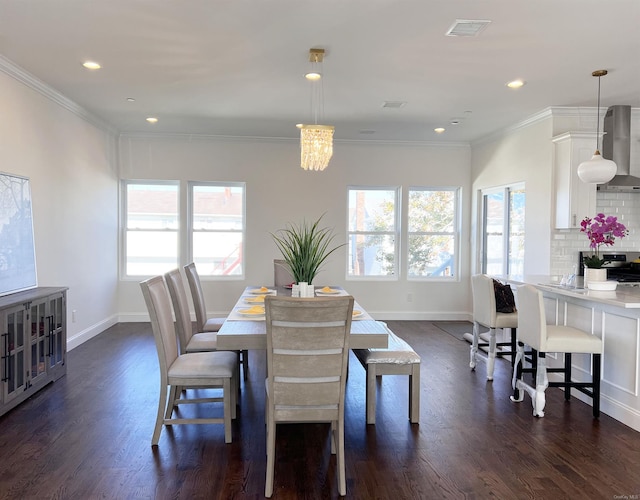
point(613, 316)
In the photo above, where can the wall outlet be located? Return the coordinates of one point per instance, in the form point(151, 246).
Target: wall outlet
point(409, 297)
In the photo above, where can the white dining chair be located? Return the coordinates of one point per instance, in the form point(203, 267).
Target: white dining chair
point(307, 353)
point(204, 324)
point(201, 370)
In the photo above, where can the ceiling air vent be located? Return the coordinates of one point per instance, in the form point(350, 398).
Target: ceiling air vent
point(467, 27)
point(394, 104)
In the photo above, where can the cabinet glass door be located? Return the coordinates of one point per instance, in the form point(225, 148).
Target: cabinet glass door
point(38, 320)
point(13, 353)
point(57, 310)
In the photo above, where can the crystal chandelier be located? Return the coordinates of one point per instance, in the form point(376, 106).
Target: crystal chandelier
point(316, 141)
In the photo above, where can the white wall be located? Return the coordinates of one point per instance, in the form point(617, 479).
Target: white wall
point(521, 155)
point(70, 163)
point(278, 191)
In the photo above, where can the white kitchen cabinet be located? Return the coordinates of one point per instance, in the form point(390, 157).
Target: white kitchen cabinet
point(575, 199)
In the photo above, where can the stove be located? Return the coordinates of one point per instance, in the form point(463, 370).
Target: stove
point(620, 267)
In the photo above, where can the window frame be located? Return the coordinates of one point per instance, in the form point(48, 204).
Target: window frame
point(507, 234)
point(457, 190)
point(124, 229)
point(190, 229)
point(396, 233)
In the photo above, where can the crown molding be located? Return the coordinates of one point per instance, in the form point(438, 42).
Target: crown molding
point(17, 73)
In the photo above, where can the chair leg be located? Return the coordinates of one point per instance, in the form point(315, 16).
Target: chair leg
point(226, 396)
point(514, 336)
point(174, 393)
point(596, 385)
point(414, 394)
point(474, 346)
point(542, 382)
point(334, 430)
point(235, 384)
point(342, 480)
point(271, 451)
point(567, 376)
point(491, 361)
point(162, 402)
point(371, 393)
point(245, 365)
point(518, 396)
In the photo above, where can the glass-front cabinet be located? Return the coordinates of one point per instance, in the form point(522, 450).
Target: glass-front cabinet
point(14, 378)
point(33, 346)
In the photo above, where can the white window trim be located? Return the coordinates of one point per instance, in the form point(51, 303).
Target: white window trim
point(190, 230)
point(124, 211)
point(456, 234)
point(396, 234)
point(505, 189)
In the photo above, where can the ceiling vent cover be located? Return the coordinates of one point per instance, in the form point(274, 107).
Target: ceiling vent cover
point(467, 27)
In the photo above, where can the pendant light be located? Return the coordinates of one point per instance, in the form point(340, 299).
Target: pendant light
point(597, 170)
point(316, 141)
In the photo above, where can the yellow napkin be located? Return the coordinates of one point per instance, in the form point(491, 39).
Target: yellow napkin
point(254, 310)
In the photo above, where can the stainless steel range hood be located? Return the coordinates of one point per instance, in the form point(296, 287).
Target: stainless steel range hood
point(616, 146)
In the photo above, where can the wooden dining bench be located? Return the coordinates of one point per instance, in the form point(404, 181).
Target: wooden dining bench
point(396, 359)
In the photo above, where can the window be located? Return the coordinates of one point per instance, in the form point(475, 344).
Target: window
point(503, 214)
point(432, 233)
point(217, 222)
point(151, 227)
point(372, 232)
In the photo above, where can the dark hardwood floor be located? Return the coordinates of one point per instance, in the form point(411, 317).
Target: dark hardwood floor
point(88, 436)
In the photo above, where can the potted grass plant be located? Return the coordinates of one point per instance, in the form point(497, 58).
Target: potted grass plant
point(305, 248)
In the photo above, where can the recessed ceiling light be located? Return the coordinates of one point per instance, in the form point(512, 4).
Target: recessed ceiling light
point(455, 121)
point(152, 119)
point(515, 84)
point(130, 99)
point(438, 130)
point(91, 65)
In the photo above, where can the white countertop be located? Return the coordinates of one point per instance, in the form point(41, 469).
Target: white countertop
point(625, 296)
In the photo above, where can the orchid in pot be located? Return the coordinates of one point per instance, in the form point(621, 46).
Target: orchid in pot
point(601, 230)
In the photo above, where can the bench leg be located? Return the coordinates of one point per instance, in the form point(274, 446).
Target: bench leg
point(371, 393)
point(414, 394)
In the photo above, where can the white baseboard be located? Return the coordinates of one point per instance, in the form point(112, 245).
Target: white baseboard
point(92, 331)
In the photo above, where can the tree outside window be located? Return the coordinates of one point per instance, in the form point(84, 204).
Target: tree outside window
point(432, 233)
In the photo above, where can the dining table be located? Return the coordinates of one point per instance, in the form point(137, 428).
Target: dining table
point(245, 328)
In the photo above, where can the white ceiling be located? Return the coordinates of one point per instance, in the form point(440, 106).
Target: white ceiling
point(235, 67)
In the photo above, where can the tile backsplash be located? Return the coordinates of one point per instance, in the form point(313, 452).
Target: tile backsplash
point(566, 243)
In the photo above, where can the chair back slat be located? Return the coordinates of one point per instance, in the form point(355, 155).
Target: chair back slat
point(193, 278)
point(158, 303)
point(307, 351)
point(183, 326)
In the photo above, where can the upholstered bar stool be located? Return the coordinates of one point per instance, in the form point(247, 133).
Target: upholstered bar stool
point(543, 338)
point(485, 315)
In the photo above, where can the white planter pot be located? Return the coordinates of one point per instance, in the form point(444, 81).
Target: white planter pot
point(591, 275)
